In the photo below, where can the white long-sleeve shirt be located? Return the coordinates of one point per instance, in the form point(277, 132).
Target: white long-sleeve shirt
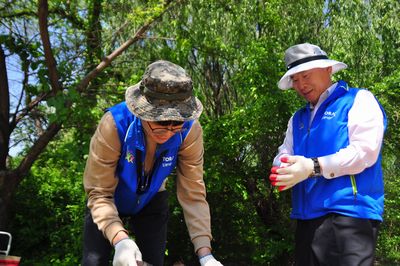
point(366, 129)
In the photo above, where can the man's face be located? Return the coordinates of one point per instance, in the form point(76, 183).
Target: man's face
point(310, 84)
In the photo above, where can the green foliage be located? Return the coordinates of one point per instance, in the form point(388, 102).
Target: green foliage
point(388, 93)
point(238, 157)
point(234, 52)
point(49, 208)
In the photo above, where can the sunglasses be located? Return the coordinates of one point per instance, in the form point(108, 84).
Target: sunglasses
point(163, 130)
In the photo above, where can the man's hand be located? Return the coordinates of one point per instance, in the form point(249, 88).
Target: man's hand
point(209, 260)
point(298, 168)
point(126, 253)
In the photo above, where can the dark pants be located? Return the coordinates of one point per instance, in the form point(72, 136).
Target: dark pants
point(149, 228)
point(336, 240)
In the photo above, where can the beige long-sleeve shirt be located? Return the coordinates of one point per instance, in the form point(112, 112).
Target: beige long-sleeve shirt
point(100, 180)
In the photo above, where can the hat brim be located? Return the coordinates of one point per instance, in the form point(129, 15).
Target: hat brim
point(161, 110)
point(286, 81)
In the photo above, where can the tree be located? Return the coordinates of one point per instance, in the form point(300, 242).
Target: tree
point(47, 102)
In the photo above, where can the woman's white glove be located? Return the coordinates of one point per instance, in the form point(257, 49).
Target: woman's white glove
point(209, 260)
point(126, 253)
point(297, 169)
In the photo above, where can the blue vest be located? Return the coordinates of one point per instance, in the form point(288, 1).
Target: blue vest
point(359, 196)
point(132, 141)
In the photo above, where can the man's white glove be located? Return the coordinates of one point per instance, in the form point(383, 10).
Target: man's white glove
point(126, 253)
point(209, 260)
point(298, 168)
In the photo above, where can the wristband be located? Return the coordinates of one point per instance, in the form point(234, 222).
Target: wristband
point(317, 168)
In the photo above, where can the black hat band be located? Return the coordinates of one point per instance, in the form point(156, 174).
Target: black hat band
point(305, 60)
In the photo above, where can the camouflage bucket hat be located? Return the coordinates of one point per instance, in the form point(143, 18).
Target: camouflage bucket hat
point(164, 93)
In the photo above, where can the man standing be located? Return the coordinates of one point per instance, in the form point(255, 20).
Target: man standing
point(331, 159)
point(136, 146)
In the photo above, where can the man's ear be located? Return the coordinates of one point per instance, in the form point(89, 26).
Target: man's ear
point(329, 69)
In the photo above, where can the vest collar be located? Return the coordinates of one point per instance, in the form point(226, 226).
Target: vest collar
point(335, 91)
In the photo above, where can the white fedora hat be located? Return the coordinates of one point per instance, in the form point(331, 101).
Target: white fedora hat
point(306, 56)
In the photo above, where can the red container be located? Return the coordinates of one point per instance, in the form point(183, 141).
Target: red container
point(9, 260)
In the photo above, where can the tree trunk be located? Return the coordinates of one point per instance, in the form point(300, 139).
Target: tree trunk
point(8, 184)
point(4, 111)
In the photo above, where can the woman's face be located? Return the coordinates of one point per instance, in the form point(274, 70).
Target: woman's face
point(161, 132)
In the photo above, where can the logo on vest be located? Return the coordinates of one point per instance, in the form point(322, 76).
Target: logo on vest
point(167, 161)
point(329, 115)
point(129, 157)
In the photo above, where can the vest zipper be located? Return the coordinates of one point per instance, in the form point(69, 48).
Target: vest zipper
point(354, 186)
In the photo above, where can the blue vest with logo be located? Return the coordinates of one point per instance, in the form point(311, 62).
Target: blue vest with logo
point(132, 141)
point(359, 196)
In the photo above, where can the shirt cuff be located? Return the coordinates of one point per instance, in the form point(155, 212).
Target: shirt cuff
point(328, 167)
point(112, 230)
point(201, 241)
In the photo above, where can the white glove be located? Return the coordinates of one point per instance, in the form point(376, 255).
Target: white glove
point(209, 260)
point(299, 169)
point(126, 253)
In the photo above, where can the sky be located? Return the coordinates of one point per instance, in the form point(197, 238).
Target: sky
point(14, 76)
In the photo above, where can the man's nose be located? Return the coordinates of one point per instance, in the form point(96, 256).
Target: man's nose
point(300, 83)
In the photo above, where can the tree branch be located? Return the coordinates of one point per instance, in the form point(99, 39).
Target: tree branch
point(54, 128)
point(48, 54)
point(25, 70)
point(19, 14)
point(30, 106)
point(74, 20)
point(108, 59)
point(37, 149)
